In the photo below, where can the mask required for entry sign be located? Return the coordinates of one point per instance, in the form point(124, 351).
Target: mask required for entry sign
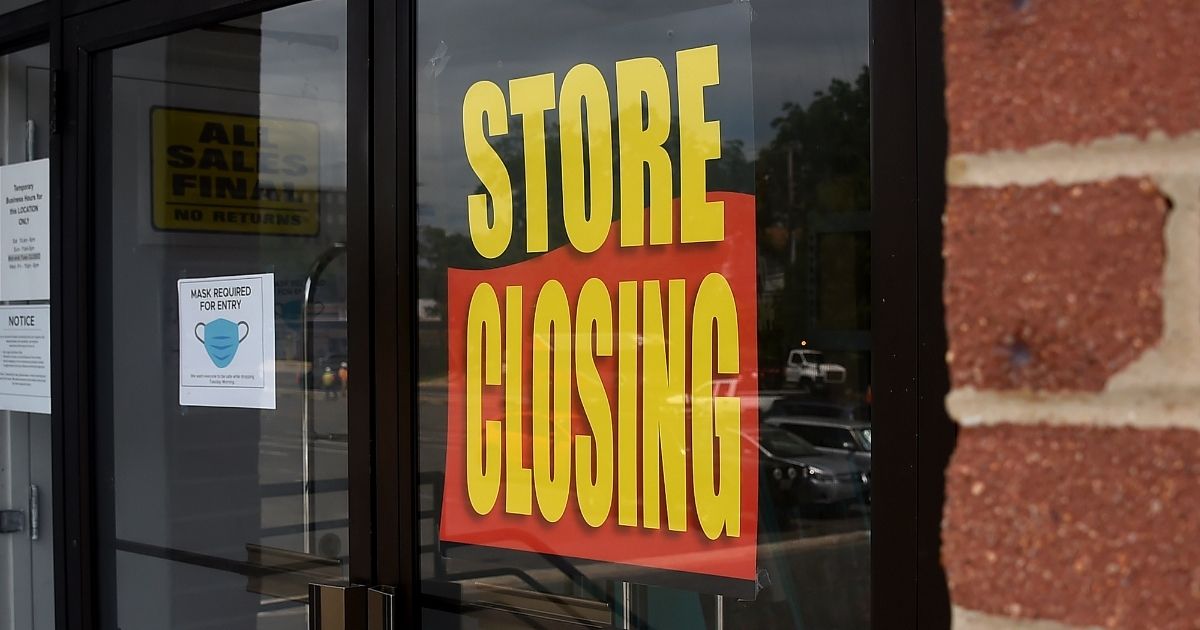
point(216, 172)
point(602, 391)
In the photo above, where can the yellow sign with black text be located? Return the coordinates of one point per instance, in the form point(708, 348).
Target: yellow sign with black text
point(216, 172)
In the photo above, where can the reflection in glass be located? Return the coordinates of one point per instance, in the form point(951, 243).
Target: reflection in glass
point(804, 155)
point(227, 157)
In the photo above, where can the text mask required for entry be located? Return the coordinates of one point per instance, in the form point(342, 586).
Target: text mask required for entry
point(221, 298)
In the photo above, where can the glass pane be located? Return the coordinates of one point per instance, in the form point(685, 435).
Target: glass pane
point(26, 471)
point(223, 405)
point(12, 5)
point(644, 268)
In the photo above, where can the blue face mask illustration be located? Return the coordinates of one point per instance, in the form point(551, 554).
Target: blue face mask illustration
point(221, 338)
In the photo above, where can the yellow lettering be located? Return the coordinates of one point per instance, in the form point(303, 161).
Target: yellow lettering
point(700, 220)
point(531, 97)
point(483, 437)
point(716, 508)
point(552, 384)
point(587, 223)
point(595, 493)
point(518, 483)
point(667, 421)
point(642, 148)
point(663, 406)
point(627, 399)
point(489, 237)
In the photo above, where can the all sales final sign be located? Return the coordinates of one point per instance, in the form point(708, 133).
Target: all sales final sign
point(602, 390)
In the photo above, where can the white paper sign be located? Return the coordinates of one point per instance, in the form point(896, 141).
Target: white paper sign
point(227, 341)
point(25, 358)
point(25, 231)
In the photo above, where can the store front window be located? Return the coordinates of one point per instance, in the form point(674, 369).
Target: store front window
point(644, 246)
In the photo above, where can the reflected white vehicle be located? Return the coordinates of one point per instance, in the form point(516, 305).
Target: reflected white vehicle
point(806, 368)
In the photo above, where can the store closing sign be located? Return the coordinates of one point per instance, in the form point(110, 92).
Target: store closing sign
point(602, 391)
point(218, 172)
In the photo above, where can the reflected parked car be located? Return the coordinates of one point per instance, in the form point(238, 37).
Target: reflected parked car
point(847, 439)
point(809, 408)
point(799, 476)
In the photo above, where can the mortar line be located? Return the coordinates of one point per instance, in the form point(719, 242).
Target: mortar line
point(967, 619)
point(1099, 160)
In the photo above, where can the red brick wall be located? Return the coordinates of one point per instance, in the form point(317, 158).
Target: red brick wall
point(1072, 292)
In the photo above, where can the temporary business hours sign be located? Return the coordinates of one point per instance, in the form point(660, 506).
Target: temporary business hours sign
point(217, 172)
point(602, 392)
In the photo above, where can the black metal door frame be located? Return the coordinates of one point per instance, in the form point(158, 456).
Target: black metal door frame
point(393, 183)
point(908, 149)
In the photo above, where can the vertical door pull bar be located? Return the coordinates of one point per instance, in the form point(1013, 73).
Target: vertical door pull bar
point(380, 608)
point(626, 606)
point(35, 520)
point(30, 140)
point(308, 362)
point(336, 607)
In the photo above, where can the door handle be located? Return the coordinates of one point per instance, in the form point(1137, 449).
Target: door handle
point(308, 362)
point(381, 611)
point(35, 519)
point(340, 607)
point(336, 607)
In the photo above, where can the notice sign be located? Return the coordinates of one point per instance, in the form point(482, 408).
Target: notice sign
point(25, 358)
point(232, 173)
point(227, 341)
point(25, 231)
point(602, 388)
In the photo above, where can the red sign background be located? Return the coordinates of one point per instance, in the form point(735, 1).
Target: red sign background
point(690, 551)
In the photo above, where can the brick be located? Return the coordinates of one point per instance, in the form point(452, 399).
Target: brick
point(1052, 288)
point(1091, 527)
point(1020, 73)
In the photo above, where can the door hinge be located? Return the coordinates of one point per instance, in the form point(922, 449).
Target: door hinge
point(55, 121)
point(11, 521)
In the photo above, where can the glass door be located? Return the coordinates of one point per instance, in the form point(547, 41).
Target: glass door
point(222, 365)
point(644, 327)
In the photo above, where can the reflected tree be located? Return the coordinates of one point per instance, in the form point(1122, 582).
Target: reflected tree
point(820, 155)
point(813, 185)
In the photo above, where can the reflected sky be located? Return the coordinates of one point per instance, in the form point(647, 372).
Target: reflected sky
point(797, 47)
